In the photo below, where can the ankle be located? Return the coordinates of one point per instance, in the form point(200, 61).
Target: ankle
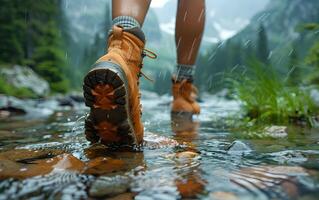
point(129, 24)
point(126, 22)
point(184, 72)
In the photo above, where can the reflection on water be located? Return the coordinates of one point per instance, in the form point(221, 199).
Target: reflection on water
point(50, 158)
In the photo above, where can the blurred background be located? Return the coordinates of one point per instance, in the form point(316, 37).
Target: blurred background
point(56, 41)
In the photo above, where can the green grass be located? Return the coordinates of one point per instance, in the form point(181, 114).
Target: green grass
point(10, 90)
point(267, 99)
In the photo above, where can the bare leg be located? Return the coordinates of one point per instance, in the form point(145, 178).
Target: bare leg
point(188, 35)
point(133, 8)
point(189, 30)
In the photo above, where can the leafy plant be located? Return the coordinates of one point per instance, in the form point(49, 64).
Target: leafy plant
point(8, 89)
point(267, 99)
point(31, 35)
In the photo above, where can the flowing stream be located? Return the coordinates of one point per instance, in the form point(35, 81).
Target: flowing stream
point(48, 157)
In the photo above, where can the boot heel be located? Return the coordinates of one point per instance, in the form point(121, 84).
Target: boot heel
point(106, 93)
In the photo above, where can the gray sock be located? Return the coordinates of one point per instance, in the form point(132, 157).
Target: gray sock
point(126, 22)
point(185, 72)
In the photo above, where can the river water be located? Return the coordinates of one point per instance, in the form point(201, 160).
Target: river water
point(47, 157)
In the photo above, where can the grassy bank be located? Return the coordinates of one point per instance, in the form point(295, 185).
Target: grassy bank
point(268, 99)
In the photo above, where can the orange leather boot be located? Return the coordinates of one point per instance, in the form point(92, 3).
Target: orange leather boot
point(111, 90)
point(184, 99)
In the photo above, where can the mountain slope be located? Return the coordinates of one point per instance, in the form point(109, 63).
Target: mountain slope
point(281, 19)
point(281, 42)
point(224, 18)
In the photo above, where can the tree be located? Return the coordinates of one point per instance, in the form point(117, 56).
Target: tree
point(262, 45)
point(98, 48)
point(294, 69)
point(30, 35)
point(11, 32)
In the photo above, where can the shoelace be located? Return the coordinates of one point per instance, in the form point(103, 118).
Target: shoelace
point(151, 55)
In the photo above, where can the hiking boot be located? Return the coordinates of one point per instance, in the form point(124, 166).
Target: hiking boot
point(111, 90)
point(184, 99)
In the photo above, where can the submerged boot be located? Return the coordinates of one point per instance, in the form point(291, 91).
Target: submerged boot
point(111, 90)
point(184, 99)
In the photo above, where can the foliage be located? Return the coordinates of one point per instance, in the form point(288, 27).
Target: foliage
point(262, 45)
point(294, 75)
point(313, 57)
point(96, 49)
point(212, 66)
point(267, 99)
point(30, 34)
point(8, 89)
point(273, 37)
point(308, 26)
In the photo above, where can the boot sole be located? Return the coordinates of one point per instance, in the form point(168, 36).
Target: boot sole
point(109, 124)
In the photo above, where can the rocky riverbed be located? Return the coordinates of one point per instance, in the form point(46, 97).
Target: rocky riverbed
point(43, 154)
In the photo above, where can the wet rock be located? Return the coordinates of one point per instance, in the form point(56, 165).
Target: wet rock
point(66, 101)
point(190, 187)
point(276, 131)
point(219, 195)
point(22, 164)
point(238, 148)
point(11, 111)
point(68, 162)
point(314, 93)
point(289, 156)
point(184, 156)
point(103, 165)
point(25, 77)
point(11, 106)
point(109, 186)
point(125, 196)
point(24, 154)
point(314, 121)
point(70, 100)
point(77, 97)
point(270, 177)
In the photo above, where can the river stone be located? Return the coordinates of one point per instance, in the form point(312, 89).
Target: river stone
point(238, 147)
point(8, 101)
point(288, 156)
point(191, 187)
point(185, 156)
point(109, 186)
point(77, 97)
point(276, 131)
point(314, 93)
point(30, 108)
point(25, 77)
point(220, 195)
point(125, 196)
